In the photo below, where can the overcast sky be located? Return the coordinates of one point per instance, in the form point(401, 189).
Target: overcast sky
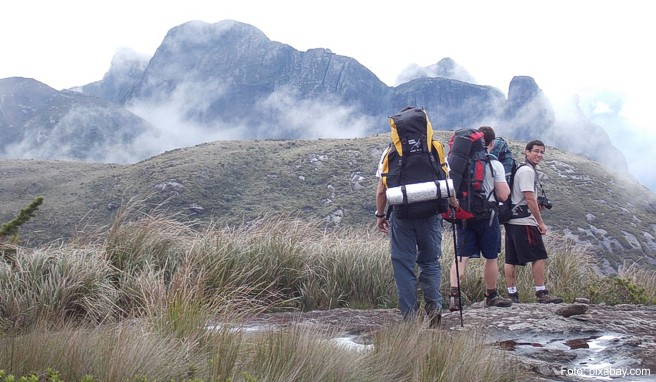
point(567, 46)
point(600, 50)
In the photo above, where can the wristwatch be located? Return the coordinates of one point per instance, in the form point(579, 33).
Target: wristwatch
point(379, 215)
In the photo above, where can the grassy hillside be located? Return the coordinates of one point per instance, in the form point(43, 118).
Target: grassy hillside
point(230, 182)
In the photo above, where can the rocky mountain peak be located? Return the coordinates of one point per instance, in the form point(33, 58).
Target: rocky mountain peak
point(528, 110)
point(118, 83)
point(522, 90)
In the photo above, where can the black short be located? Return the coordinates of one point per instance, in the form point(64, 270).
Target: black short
point(524, 244)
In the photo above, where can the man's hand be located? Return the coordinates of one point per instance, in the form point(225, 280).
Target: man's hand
point(382, 224)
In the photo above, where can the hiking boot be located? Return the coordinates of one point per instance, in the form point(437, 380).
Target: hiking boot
point(454, 304)
point(497, 301)
point(544, 297)
point(514, 297)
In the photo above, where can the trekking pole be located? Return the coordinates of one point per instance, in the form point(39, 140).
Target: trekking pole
point(455, 251)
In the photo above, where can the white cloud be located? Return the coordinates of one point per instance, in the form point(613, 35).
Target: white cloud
point(314, 119)
point(601, 108)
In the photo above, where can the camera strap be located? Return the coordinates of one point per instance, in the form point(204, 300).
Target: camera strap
point(537, 178)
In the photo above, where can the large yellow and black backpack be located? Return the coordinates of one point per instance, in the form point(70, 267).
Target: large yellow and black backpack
point(412, 157)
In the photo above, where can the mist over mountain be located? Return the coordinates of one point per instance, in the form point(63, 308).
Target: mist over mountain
point(637, 143)
point(227, 81)
point(39, 122)
point(446, 67)
point(126, 69)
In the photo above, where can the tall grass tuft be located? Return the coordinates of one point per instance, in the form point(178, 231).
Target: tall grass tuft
point(642, 278)
point(56, 285)
point(268, 256)
point(571, 267)
point(405, 353)
point(146, 240)
point(301, 353)
point(350, 269)
point(108, 352)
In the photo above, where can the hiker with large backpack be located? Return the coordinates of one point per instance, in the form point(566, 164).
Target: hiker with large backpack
point(480, 181)
point(414, 157)
point(524, 231)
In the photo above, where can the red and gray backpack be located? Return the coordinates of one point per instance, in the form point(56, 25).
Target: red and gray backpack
point(469, 161)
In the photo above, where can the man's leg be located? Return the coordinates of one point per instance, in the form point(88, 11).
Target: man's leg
point(509, 268)
point(490, 242)
point(461, 263)
point(537, 268)
point(492, 297)
point(404, 251)
point(510, 275)
point(537, 255)
point(429, 245)
point(453, 275)
point(490, 272)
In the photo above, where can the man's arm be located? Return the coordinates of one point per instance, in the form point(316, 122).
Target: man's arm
point(501, 190)
point(532, 202)
point(381, 201)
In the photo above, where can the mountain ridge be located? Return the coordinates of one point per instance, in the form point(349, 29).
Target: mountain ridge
point(228, 80)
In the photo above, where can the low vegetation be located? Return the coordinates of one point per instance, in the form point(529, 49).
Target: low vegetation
point(133, 303)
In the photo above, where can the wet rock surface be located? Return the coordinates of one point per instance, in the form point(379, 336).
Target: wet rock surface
point(571, 346)
point(551, 342)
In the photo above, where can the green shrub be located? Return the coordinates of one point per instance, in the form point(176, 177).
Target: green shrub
point(616, 290)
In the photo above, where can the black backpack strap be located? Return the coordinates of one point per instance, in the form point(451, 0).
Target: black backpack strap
point(434, 163)
point(406, 149)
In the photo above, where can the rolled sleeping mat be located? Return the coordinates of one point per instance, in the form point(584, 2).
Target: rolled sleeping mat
point(419, 192)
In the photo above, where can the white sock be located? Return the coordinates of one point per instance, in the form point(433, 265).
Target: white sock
point(540, 287)
point(512, 290)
